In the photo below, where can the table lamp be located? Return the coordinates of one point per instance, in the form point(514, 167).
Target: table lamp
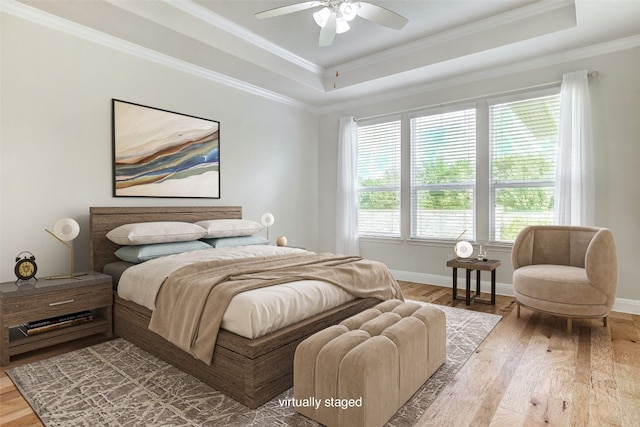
point(267, 220)
point(65, 230)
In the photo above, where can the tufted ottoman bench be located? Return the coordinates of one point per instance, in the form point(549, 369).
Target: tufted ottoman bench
point(360, 372)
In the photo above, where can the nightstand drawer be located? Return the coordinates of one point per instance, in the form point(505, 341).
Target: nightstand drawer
point(49, 304)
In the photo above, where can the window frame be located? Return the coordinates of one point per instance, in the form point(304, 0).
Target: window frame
point(484, 192)
point(414, 188)
point(494, 186)
point(386, 188)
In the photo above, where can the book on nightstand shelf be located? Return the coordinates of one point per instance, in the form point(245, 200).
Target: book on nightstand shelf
point(53, 323)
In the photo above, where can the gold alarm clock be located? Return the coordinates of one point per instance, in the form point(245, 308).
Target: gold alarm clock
point(26, 267)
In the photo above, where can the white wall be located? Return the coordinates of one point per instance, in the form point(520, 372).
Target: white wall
point(56, 147)
point(615, 95)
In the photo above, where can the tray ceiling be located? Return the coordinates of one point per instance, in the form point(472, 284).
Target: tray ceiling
point(280, 58)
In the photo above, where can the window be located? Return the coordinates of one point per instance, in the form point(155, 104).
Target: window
point(486, 166)
point(379, 179)
point(443, 159)
point(523, 140)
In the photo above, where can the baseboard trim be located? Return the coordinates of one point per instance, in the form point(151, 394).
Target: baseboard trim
point(622, 305)
point(446, 281)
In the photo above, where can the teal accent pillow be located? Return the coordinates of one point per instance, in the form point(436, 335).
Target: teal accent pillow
point(141, 253)
point(223, 242)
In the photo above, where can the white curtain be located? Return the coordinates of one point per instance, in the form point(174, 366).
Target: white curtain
point(574, 193)
point(347, 191)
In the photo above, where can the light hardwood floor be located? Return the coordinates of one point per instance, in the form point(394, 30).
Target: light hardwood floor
point(527, 372)
point(530, 372)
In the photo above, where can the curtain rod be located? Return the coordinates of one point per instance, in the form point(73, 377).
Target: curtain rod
point(591, 74)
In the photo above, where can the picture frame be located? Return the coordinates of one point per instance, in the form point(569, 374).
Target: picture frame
point(161, 153)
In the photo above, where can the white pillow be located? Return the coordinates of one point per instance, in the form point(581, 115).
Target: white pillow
point(142, 233)
point(225, 242)
point(230, 227)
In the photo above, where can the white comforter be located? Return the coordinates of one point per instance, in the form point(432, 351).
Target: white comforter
point(250, 314)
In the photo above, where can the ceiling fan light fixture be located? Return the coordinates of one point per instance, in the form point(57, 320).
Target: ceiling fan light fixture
point(348, 11)
point(342, 26)
point(322, 16)
point(334, 16)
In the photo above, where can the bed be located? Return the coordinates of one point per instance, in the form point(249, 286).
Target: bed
point(252, 371)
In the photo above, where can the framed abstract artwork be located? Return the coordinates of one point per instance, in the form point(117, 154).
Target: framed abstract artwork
point(159, 153)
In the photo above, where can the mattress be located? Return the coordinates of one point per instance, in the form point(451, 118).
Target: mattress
point(250, 314)
point(115, 270)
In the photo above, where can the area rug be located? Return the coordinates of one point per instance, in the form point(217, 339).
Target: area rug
point(118, 384)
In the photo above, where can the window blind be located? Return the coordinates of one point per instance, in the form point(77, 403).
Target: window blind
point(523, 137)
point(379, 179)
point(443, 164)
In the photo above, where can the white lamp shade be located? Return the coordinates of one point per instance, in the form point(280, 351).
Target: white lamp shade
point(267, 219)
point(66, 229)
point(348, 11)
point(322, 16)
point(463, 249)
point(342, 26)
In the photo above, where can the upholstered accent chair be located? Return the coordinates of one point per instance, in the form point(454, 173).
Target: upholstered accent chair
point(566, 271)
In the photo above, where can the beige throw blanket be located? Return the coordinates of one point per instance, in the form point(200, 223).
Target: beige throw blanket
point(192, 301)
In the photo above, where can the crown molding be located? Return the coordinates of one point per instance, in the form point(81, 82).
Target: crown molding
point(40, 17)
point(210, 17)
point(462, 31)
point(489, 73)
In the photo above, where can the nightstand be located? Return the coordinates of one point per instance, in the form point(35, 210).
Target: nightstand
point(29, 302)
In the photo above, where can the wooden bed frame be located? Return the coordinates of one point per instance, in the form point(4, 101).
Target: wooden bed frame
point(252, 371)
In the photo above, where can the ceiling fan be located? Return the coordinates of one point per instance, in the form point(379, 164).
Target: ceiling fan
point(335, 15)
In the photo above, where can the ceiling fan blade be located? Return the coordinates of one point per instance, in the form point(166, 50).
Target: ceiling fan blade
point(328, 32)
point(380, 15)
point(284, 10)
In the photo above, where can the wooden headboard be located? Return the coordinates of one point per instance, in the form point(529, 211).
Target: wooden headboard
point(104, 219)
